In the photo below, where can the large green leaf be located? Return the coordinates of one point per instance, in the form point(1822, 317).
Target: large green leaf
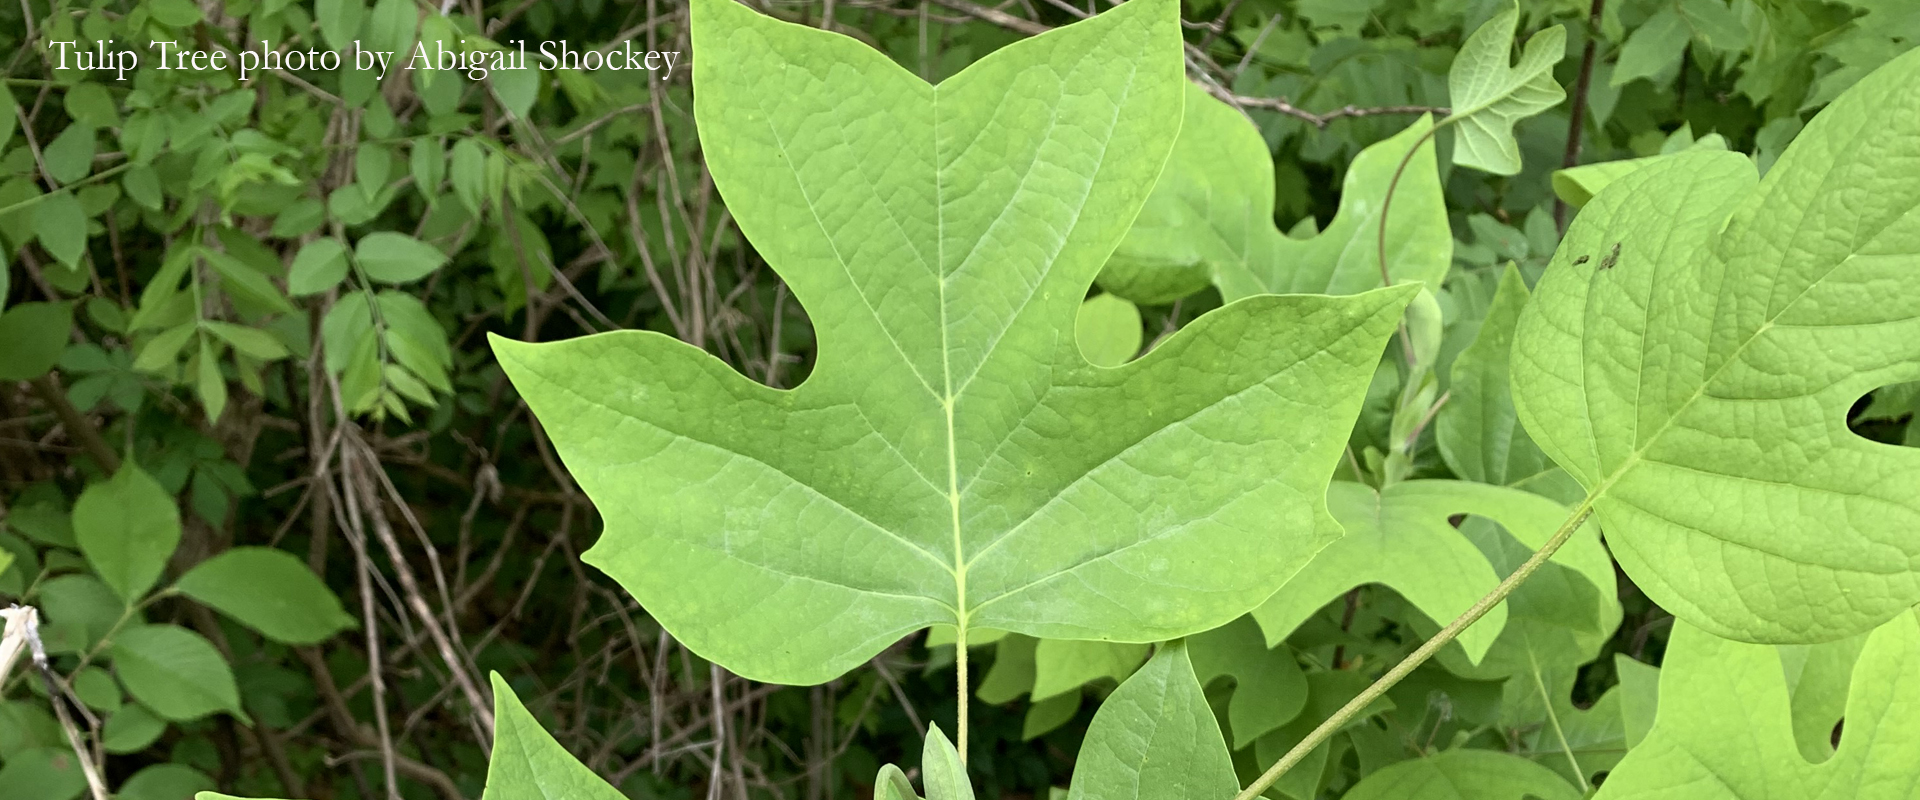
point(1464, 775)
point(128, 526)
point(952, 458)
point(1403, 537)
point(528, 764)
point(1155, 739)
point(1210, 219)
point(175, 672)
point(1490, 93)
point(1692, 352)
point(1725, 728)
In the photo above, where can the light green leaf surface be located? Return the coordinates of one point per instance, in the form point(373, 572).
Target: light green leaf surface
point(1269, 689)
point(1817, 679)
point(175, 672)
point(1210, 219)
point(1062, 665)
point(1577, 185)
point(528, 764)
point(270, 591)
point(944, 776)
point(1697, 383)
point(127, 526)
point(390, 257)
point(952, 458)
point(1490, 93)
point(1464, 775)
point(1402, 538)
point(164, 782)
point(1155, 739)
point(1108, 329)
point(320, 265)
point(1477, 431)
point(1725, 731)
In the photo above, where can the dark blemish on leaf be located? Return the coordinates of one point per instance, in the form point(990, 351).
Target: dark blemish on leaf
point(1612, 258)
point(1582, 260)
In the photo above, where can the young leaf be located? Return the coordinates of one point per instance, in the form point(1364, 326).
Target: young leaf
point(1464, 775)
point(175, 672)
point(321, 265)
point(1489, 95)
point(1210, 219)
point(944, 776)
point(270, 591)
point(952, 458)
point(1155, 739)
point(1724, 730)
point(1692, 351)
point(1477, 431)
point(528, 763)
point(127, 527)
point(1402, 537)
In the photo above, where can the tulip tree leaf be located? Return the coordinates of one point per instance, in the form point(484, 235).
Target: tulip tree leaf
point(1155, 739)
point(1464, 775)
point(1477, 431)
point(1402, 537)
point(1210, 219)
point(527, 763)
point(1691, 354)
point(1490, 93)
point(1269, 688)
point(1724, 730)
point(952, 459)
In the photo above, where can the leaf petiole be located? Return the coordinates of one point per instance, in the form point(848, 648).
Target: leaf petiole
point(1453, 629)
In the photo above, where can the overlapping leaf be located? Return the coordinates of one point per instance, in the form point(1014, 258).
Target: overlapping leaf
point(1692, 352)
point(1210, 219)
point(1725, 728)
point(1490, 93)
point(952, 459)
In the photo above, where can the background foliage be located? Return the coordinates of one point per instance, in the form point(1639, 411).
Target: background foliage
point(283, 513)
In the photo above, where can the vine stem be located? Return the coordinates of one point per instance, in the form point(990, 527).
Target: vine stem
point(1410, 663)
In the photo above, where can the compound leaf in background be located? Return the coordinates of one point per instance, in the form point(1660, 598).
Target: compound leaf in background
point(175, 672)
point(1402, 537)
point(390, 257)
point(1490, 94)
point(1210, 219)
point(270, 591)
point(528, 764)
point(127, 526)
point(952, 459)
point(1155, 739)
point(1691, 354)
point(1464, 775)
point(1725, 728)
point(1477, 431)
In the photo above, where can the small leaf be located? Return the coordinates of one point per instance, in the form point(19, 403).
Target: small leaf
point(269, 591)
point(1155, 739)
point(1489, 95)
point(160, 352)
point(36, 334)
point(528, 763)
point(516, 88)
point(245, 283)
point(175, 672)
point(175, 13)
point(42, 773)
point(1108, 330)
point(164, 782)
point(339, 21)
point(1653, 48)
point(127, 526)
point(321, 265)
point(209, 383)
point(90, 104)
point(61, 225)
point(132, 729)
point(251, 342)
point(390, 257)
point(69, 156)
point(1477, 431)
